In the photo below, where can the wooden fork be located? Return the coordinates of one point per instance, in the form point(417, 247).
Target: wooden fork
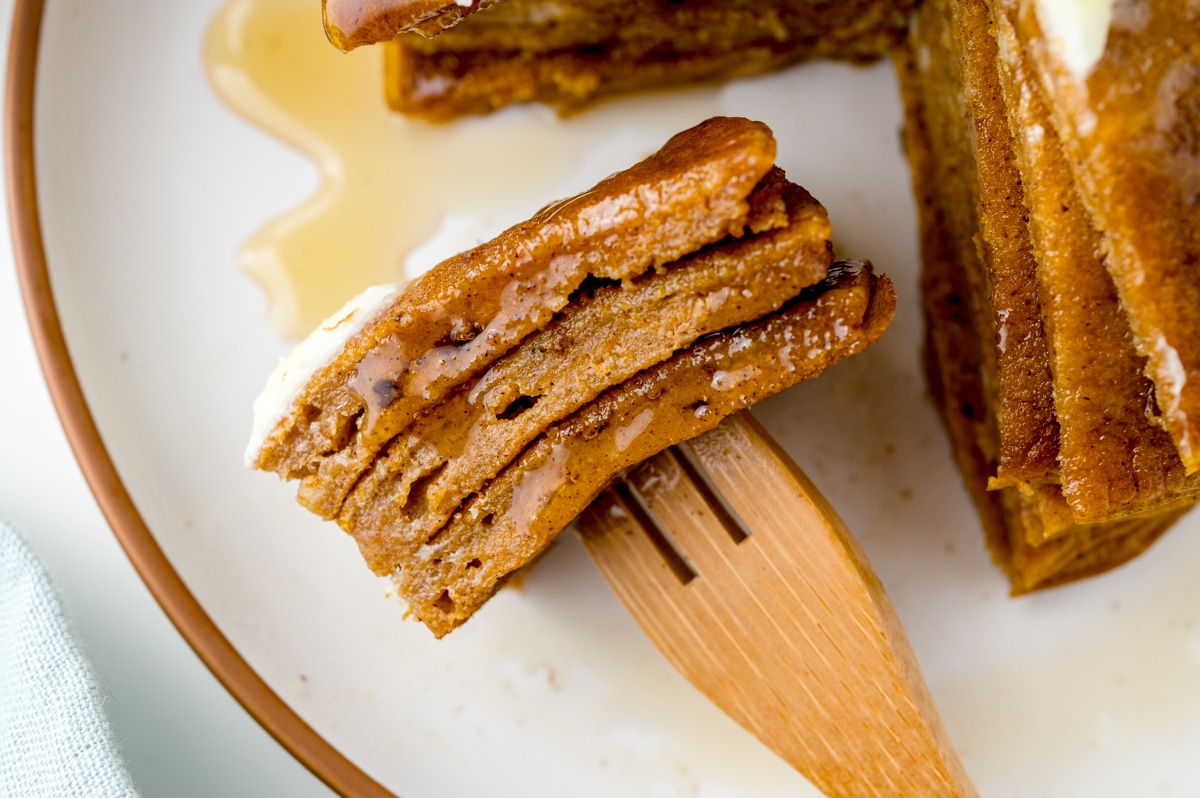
point(746, 579)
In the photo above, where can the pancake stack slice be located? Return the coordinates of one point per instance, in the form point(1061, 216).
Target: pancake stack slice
point(454, 427)
point(1060, 214)
point(567, 54)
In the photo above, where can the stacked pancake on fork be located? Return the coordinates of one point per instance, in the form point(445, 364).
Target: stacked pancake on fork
point(455, 426)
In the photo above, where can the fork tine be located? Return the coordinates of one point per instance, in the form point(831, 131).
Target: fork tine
point(615, 533)
point(681, 503)
point(732, 457)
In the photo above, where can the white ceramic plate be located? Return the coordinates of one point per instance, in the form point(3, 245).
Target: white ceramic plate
point(149, 185)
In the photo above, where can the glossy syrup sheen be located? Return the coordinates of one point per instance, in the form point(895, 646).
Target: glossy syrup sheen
point(396, 194)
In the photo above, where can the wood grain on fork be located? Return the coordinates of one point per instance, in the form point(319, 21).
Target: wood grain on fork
point(750, 584)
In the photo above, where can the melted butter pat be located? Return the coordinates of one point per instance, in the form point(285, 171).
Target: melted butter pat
point(398, 195)
point(1077, 31)
point(294, 371)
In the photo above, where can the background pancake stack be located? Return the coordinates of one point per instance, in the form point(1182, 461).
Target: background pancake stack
point(567, 53)
point(1059, 197)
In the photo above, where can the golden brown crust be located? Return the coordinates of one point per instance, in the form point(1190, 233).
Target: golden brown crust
point(1131, 133)
point(1024, 402)
point(528, 503)
point(971, 289)
point(451, 323)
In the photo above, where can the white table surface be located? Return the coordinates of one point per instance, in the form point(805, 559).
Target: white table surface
point(180, 731)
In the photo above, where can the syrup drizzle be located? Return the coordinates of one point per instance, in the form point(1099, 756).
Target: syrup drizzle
point(397, 195)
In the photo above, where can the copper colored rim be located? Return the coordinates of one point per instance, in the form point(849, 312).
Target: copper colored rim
point(130, 529)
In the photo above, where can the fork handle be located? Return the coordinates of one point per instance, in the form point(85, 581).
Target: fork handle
point(788, 631)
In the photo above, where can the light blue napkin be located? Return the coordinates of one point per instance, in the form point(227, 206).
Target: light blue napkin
point(54, 737)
